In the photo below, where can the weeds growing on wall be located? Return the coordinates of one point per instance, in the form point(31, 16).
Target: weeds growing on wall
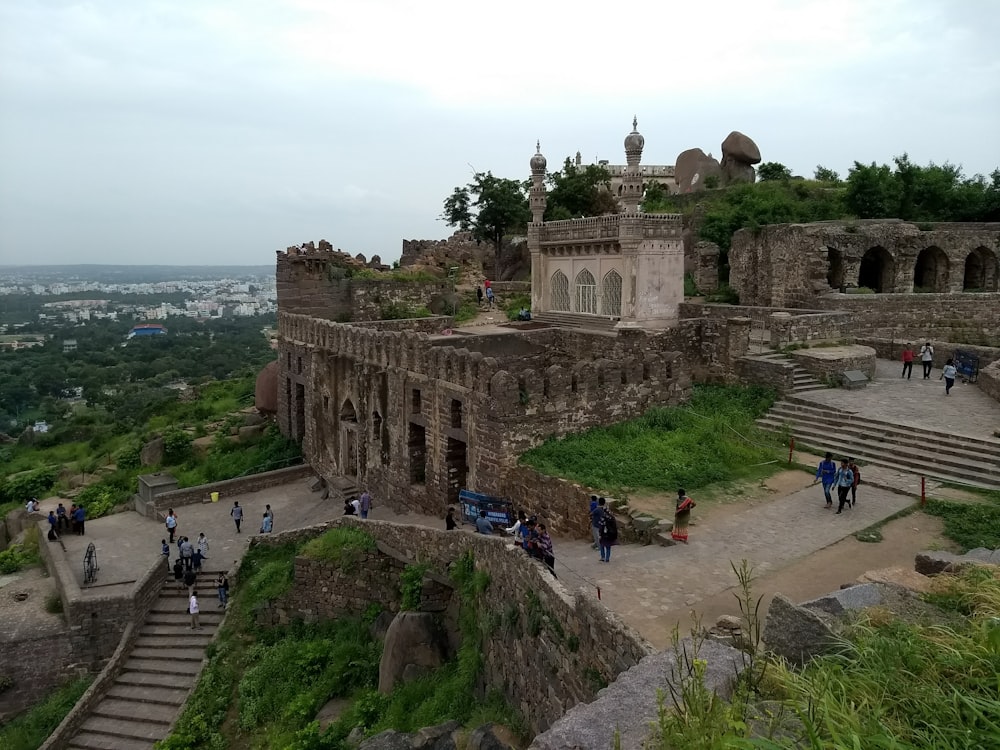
point(891, 684)
point(411, 584)
point(29, 730)
point(344, 546)
point(710, 439)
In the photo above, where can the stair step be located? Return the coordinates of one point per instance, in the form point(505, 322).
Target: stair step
point(821, 412)
point(189, 639)
point(127, 728)
point(208, 617)
point(180, 654)
point(180, 632)
point(100, 741)
point(163, 666)
point(169, 696)
point(118, 708)
point(155, 679)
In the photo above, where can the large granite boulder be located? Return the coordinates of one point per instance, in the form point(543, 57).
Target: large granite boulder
point(692, 168)
point(629, 704)
point(931, 563)
point(415, 645)
point(265, 393)
point(739, 154)
point(795, 633)
point(152, 452)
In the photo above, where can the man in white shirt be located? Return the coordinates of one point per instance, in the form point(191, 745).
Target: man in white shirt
point(193, 611)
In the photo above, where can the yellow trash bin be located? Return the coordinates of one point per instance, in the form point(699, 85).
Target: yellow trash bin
point(215, 497)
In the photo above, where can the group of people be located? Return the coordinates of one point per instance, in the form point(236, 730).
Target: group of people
point(358, 506)
point(488, 294)
point(531, 535)
point(948, 373)
point(845, 478)
point(266, 523)
point(190, 556)
point(75, 518)
point(194, 606)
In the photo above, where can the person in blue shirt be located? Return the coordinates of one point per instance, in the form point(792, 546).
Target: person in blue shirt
point(826, 473)
point(845, 480)
point(483, 525)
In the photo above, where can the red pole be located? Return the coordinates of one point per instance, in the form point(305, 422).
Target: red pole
point(791, 448)
point(923, 491)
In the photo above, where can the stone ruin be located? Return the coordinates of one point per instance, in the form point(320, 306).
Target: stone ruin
point(337, 257)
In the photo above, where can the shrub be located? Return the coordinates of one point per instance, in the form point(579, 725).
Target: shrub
point(30, 730)
point(512, 307)
point(26, 484)
point(690, 288)
point(411, 584)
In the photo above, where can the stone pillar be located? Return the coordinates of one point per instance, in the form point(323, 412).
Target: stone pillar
point(781, 329)
point(707, 267)
point(737, 342)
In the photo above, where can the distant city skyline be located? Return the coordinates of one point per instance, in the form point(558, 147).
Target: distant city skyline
point(220, 132)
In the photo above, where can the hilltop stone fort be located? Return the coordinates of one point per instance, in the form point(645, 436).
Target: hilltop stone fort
point(416, 410)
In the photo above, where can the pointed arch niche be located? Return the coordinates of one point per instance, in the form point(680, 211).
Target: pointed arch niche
point(559, 292)
point(611, 294)
point(585, 293)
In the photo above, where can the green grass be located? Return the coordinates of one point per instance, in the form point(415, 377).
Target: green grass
point(29, 730)
point(710, 439)
point(513, 304)
point(969, 525)
point(343, 546)
point(873, 534)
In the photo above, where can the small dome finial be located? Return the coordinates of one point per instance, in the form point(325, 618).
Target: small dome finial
point(538, 162)
point(538, 147)
point(635, 122)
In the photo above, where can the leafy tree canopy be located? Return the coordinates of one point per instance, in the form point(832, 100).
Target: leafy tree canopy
point(490, 206)
point(579, 191)
point(772, 170)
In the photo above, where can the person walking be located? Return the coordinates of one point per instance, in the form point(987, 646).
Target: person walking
point(187, 553)
point(265, 524)
point(203, 545)
point(270, 514)
point(222, 586)
point(948, 372)
point(449, 520)
point(179, 573)
point(237, 513)
point(845, 481)
point(857, 480)
point(907, 361)
point(80, 516)
point(196, 559)
point(165, 551)
point(53, 525)
point(171, 523)
point(193, 610)
point(489, 297)
point(682, 517)
point(365, 504)
point(190, 579)
point(927, 359)
point(545, 549)
point(826, 473)
point(479, 295)
point(595, 521)
point(609, 531)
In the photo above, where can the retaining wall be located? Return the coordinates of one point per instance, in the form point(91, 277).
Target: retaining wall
point(228, 487)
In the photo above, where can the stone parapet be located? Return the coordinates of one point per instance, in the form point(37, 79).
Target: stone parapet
point(572, 643)
point(226, 488)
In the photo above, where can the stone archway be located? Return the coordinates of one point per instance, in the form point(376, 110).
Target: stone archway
point(981, 271)
point(835, 268)
point(930, 273)
point(878, 270)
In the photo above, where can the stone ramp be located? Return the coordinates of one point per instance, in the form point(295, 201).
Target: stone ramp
point(961, 459)
point(159, 673)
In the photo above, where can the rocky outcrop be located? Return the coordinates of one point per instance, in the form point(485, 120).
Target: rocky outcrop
point(693, 167)
point(447, 736)
point(932, 563)
point(739, 154)
point(152, 452)
point(415, 645)
point(265, 392)
point(629, 704)
point(795, 633)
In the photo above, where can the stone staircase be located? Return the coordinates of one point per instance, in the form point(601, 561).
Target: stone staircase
point(577, 320)
point(944, 456)
point(803, 380)
point(146, 698)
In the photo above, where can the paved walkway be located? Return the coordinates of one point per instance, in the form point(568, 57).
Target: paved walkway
point(917, 402)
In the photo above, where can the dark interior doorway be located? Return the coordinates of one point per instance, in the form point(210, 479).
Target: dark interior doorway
point(877, 270)
point(457, 468)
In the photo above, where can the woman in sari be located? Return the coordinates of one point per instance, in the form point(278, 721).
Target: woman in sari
point(682, 515)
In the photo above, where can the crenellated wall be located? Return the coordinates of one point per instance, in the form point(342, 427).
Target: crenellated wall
point(416, 419)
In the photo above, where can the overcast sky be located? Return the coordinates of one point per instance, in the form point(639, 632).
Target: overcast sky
point(218, 131)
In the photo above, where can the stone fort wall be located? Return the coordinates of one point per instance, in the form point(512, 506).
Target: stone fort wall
point(790, 265)
point(545, 648)
point(416, 418)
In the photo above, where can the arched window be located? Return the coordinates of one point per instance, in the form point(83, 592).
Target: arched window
point(559, 292)
point(981, 271)
point(348, 412)
point(611, 294)
point(585, 294)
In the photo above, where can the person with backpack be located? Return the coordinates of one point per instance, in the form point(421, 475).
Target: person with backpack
point(826, 473)
point(682, 516)
point(857, 480)
point(545, 549)
point(595, 520)
point(609, 532)
point(187, 553)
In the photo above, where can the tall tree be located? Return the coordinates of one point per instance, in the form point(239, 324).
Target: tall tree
point(772, 170)
point(501, 206)
point(822, 174)
point(579, 191)
point(872, 191)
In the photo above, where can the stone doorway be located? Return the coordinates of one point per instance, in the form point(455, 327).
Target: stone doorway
point(457, 467)
point(416, 448)
point(877, 270)
point(349, 454)
point(835, 268)
point(300, 411)
point(981, 271)
point(930, 274)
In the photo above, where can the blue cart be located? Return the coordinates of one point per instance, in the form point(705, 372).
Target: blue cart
point(967, 365)
point(499, 510)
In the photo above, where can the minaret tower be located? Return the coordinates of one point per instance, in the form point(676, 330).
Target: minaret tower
point(632, 179)
point(536, 200)
point(536, 197)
